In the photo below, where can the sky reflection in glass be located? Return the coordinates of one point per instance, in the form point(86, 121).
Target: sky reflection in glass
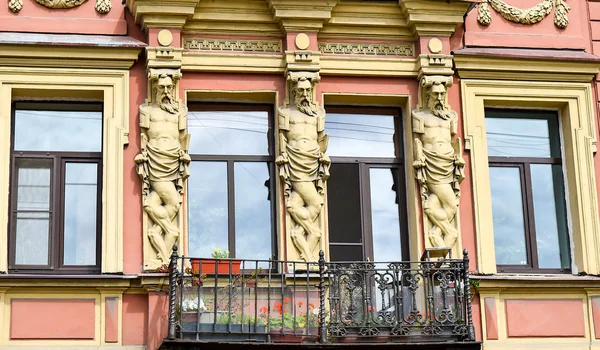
point(75, 131)
point(207, 201)
point(80, 213)
point(360, 135)
point(229, 132)
point(252, 211)
point(507, 216)
point(384, 215)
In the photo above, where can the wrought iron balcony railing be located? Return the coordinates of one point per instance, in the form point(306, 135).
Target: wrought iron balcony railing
point(273, 301)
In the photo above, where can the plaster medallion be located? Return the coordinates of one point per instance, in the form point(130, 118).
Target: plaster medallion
point(435, 45)
point(165, 37)
point(302, 41)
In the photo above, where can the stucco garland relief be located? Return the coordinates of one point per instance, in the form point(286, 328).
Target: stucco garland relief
point(102, 6)
point(163, 165)
point(383, 49)
point(531, 15)
point(303, 164)
point(438, 161)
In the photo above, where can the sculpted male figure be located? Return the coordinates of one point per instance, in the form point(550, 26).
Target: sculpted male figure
point(163, 164)
point(438, 163)
point(303, 165)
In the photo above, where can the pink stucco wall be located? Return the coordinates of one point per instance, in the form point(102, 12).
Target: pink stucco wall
point(83, 19)
point(52, 319)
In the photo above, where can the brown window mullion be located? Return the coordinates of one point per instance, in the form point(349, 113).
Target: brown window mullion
point(231, 207)
point(531, 236)
point(57, 201)
point(365, 207)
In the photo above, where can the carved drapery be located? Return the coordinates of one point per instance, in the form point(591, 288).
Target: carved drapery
point(102, 6)
point(163, 165)
point(531, 15)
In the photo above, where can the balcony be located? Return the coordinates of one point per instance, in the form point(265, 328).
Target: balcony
point(412, 305)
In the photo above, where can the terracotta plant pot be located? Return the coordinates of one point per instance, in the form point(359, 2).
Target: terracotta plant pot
point(212, 267)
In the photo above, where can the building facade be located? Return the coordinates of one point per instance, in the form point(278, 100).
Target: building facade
point(413, 173)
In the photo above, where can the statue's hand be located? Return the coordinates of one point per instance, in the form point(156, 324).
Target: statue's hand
point(419, 163)
point(185, 158)
point(140, 158)
point(324, 159)
point(459, 161)
point(282, 159)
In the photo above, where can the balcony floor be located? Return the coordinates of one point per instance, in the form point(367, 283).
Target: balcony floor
point(192, 345)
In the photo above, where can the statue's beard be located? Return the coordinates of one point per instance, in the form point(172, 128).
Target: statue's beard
point(166, 104)
point(439, 111)
point(306, 107)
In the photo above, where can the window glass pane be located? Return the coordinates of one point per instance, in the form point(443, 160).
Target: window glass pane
point(343, 197)
point(47, 130)
point(346, 252)
point(550, 216)
point(81, 198)
point(519, 137)
point(384, 215)
point(207, 208)
point(32, 238)
point(33, 216)
point(360, 135)
point(507, 216)
point(252, 211)
point(233, 132)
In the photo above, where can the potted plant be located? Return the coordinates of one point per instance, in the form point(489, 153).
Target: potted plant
point(219, 264)
point(287, 327)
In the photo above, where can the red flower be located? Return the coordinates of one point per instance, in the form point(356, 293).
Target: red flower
point(264, 309)
point(299, 304)
point(311, 305)
point(286, 300)
point(278, 307)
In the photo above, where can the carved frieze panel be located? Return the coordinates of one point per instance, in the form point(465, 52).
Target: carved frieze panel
point(383, 49)
point(215, 44)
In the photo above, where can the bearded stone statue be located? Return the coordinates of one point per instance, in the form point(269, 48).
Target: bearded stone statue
point(438, 162)
point(303, 165)
point(163, 165)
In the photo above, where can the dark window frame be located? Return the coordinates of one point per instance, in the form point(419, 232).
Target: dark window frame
point(367, 163)
point(59, 160)
point(232, 159)
point(524, 164)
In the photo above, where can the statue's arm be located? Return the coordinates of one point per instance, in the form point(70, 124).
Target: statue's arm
point(144, 126)
point(454, 124)
point(284, 127)
point(419, 161)
point(322, 137)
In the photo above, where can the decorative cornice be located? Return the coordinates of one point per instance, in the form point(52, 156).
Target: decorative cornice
point(302, 15)
point(102, 6)
point(218, 44)
point(531, 15)
point(162, 13)
point(434, 18)
point(369, 49)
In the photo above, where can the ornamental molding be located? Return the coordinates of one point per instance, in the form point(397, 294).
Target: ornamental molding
point(102, 6)
point(215, 44)
point(531, 15)
point(367, 49)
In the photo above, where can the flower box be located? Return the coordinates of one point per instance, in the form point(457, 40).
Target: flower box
point(216, 267)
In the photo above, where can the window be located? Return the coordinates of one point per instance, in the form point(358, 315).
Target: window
point(365, 192)
point(528, 197)
point(56, 187)
point(229, 195)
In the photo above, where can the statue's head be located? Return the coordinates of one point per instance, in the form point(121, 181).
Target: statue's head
point(165, 96)
point(303, 96)
point(436, 102)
